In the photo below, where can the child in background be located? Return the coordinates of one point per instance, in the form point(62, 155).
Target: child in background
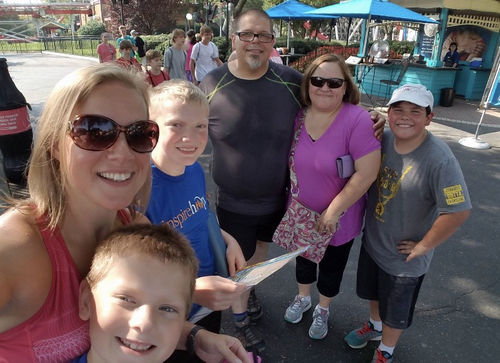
point(178, 195)
point(126, 60)
point(155, 75)
point(205, 55)
point(125, 36)
point(137, 294)
point(106, 52)
point(175, 57)
point(417, 202)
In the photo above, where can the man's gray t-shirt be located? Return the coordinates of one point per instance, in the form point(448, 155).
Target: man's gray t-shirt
point(405, 200)
point(251, 128)
point(175, 61)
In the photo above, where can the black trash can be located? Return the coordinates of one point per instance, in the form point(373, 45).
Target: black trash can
point(447, 97)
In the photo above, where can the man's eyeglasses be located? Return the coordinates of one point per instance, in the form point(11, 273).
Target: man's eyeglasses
point(249, 37)
point(331, 82)
point(98, 133)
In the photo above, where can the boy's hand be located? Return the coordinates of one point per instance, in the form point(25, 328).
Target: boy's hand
point(412, 249)
point(379, 120)
point(217, 293)
point(214, 348)
point(234, 255)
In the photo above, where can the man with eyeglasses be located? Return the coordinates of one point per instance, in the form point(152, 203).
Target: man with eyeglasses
point(252, 107)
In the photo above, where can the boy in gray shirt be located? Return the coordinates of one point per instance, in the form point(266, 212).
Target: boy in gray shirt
point(175, 57)
point(417, 202)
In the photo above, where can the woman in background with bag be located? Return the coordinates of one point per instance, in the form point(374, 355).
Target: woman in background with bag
point(331, 127)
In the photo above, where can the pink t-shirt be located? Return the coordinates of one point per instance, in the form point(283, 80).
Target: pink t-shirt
point(316, 165)
point(188, 58)
point(107, 52)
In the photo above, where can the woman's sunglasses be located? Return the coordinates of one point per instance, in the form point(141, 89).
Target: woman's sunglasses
point(97, 133)
point(331, 82)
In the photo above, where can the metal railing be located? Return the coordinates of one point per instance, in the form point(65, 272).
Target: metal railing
point(84, 46)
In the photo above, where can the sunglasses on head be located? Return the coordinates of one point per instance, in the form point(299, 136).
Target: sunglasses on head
point(331, 82)
point(97, 133)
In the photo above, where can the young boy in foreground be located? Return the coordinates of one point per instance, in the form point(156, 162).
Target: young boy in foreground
point(418, 201)
point(137, 294)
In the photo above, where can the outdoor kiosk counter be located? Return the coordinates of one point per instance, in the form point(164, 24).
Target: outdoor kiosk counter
point(474, 26)
point(434, 79)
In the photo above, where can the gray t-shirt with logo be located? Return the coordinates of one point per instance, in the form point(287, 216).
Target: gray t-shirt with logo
point(410, 192)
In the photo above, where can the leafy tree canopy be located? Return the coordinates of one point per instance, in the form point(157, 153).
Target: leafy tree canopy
point(93, 27)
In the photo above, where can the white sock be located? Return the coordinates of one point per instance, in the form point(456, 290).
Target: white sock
point(377, 325)
point(385, 348)
point(322, 308)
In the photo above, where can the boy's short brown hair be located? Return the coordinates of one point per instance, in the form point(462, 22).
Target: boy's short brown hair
point(205, 29)
point(159, 242)
point(178, 33)
point(152, 54)
point(126, 44)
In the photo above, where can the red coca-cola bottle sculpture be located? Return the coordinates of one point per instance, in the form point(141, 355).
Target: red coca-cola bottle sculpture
point(16, 135)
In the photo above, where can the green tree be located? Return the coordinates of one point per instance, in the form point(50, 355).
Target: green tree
point(147, 16)
point(93, 27)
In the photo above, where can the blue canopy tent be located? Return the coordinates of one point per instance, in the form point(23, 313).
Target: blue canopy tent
point(294, 10)
point(372, 10)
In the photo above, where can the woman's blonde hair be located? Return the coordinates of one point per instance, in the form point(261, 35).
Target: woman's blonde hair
point(352, 94)
point(47, 179)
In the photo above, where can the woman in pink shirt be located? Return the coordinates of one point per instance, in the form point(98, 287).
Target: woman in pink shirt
point(331, 126)
point(106, 51)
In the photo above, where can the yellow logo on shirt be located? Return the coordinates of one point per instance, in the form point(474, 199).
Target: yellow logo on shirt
point(454, 195)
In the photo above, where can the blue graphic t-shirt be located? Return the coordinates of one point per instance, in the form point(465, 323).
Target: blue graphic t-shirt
point(181, 203)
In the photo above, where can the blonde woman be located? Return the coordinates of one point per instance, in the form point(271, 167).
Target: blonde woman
point(89, 173)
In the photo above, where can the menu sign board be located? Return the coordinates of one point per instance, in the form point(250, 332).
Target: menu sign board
point(426, 46)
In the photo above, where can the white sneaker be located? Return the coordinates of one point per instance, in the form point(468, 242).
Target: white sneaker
point(298, 306)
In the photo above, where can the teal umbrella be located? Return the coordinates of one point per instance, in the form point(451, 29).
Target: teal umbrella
point(372, 10)
point(293, 10)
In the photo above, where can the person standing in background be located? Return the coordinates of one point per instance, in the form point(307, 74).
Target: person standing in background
point(125, 36)
point(205, 56)
point(174, 60)
point(140, 48)
point(188, 47)
point(106, 52)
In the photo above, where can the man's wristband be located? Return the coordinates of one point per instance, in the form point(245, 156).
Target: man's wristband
point(190, 339)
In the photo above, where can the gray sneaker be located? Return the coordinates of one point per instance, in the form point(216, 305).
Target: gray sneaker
point(319, 327)
point(298, 306)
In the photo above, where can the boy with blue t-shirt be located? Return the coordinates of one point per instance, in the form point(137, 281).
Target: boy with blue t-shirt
point(417, 202)
point(178, 196)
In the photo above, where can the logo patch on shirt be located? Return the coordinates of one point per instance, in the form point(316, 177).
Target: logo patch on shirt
point(454, 195)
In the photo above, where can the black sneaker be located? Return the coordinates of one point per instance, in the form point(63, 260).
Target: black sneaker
point(254, 309)
point(247, 336)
